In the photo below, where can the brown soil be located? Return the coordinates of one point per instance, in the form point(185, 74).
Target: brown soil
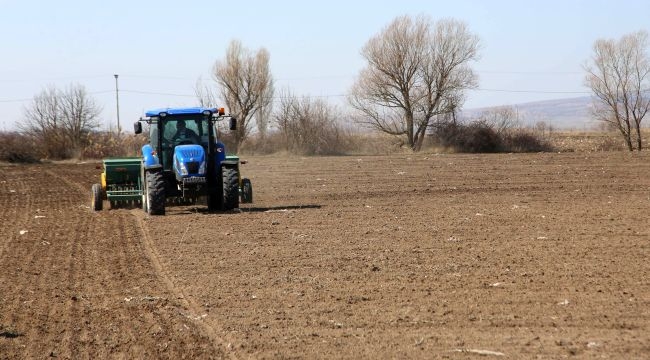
point(409, 256)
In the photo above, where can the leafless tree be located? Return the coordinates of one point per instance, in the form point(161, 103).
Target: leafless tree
point(541, 127)
point(501, 119)
point(262, 118)
point(619, 77)
point(205, 94)
point(246, 85)
point(416, 70)
point(309, 126)
point(61, 119)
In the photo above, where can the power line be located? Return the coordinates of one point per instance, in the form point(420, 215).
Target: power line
point(156, 93)
point(30, 99)
point(144, 92)
point(14, 100)
point(52, 79)
point(530, 72)
point(532, 91)
point(154, 77)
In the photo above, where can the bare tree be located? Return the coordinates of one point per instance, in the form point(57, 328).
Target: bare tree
point(246, 85)
point(61, 120)
point(309, 126)
point(262, 118)
point(416, 71)
point(543, 128)
point(619, 77)
point(205, 94)
point(79, 115)
point(501, 119)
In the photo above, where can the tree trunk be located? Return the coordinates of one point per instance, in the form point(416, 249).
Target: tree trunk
point(639, 141)
point(628, 141)
point(409, 130)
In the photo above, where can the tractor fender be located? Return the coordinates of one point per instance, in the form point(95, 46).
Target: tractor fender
point(148, 156)
point(230, 164)
point(153, 168)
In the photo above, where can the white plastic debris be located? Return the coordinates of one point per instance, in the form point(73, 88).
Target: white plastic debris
point(480, 352)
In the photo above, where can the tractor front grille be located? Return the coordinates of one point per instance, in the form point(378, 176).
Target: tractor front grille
point(193, 153)
point(192, 167)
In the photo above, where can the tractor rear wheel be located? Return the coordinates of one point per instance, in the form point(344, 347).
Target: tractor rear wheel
point(246, 191)
point(155, 189)
point(230, 188)
point(96, 201)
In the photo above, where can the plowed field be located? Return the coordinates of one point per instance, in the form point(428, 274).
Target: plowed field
point(406, 256)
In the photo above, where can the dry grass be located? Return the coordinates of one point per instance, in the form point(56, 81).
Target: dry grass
point(581, 141)
point(18, 148)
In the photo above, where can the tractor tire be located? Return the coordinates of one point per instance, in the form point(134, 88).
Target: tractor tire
point(230, 188)
point(155, 189)
point(246, 191)
point(96, 202)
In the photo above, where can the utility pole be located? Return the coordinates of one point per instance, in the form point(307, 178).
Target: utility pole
point(117, 103)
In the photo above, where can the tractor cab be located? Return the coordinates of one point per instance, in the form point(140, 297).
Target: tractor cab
point(170, 133)
point(173, 129)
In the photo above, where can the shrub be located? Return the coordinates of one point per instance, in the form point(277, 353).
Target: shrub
point(477, 137)
point(18, 148)
point(480, 137)
point(523, 141)
point(107, 144)
point(311, 127)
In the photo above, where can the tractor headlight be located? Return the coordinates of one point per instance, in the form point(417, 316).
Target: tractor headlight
point(182, 168)
point(202, 167)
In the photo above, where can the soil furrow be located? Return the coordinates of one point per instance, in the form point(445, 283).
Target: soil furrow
point(84, 287)
point(401, 256)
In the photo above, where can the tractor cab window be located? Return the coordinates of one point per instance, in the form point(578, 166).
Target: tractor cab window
point(153, 135)
point(204, 133)
point(186, 131)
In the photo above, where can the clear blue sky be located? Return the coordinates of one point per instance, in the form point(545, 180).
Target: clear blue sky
point(531, 50)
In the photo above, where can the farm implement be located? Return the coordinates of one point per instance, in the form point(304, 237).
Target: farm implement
point(183, 163)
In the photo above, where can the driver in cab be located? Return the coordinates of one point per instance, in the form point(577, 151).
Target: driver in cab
point(183, 134)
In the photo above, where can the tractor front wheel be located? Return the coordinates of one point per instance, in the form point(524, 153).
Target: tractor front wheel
point(96, 201)
point(230, 189)
point(155, 192)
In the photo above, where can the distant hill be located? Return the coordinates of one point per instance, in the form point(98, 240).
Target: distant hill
point(573, 113)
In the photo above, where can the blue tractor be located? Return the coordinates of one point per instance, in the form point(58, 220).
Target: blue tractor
point(185, 162)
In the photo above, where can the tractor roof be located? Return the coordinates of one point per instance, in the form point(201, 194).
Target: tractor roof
point(179, 111)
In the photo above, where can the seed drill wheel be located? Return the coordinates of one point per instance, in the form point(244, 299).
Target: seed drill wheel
point(246, 191)
point(96, 201)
